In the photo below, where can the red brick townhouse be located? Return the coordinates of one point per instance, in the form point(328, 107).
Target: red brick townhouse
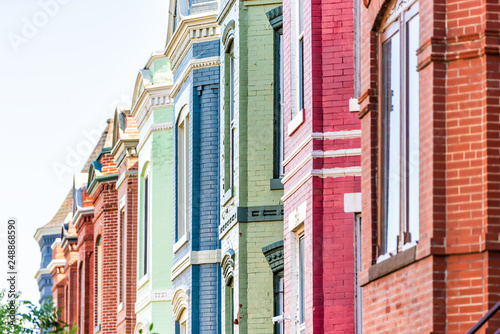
point(430, 116)
point(125, 140)
point(322, 166)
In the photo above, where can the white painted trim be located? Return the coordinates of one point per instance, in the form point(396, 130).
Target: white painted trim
point(297, 217)
point(163, 295)
point(82, 211)
point(155, 127)
point(323, 173)
point(296, 121)
point(56, 242)
point(144, 279)
point(56, 263)
point(130, 173)
point(41, 272)
point(195, 258)
point(120, 307)
point(352, 202)
point(40, 232)
point(348, 134)
point(321, 154)
point(122, 201)
point(194, 64)
point(322, 136)
point(337, 172)
point(181, 242)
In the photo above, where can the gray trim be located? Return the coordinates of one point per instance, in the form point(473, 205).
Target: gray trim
point(392, 264)
point(275, 17)
point(274, 255)
point(276, 184)
point(259, 213)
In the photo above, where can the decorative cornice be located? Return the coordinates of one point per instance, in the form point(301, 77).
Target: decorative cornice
point(56, 263)
point(194, 64)
point(100, 179)
point(259, 213)
point(275, 17)
point(40, 272)
point(124, 148)
point(192, 29)
point(152, 97)
point(155, 127)
point(40, 232)
point(274, 256)
point(80, 212)
point(129, 173)
point(224, 11)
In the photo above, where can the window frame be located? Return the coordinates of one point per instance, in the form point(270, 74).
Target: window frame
point(301, 303)
point(146, 224)
point(229, 116)
point(98, 297)
point(395, 22)
point(279, 129)
point(183, 168)
point(123, 243)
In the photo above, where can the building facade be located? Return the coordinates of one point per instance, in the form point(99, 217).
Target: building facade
point(250, 156)
point(152, 112)
point(125, 140)
point(429, 113)
point(193, 50)
point(322, 166)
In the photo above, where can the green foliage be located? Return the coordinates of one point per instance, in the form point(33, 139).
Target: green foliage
point(20, 317)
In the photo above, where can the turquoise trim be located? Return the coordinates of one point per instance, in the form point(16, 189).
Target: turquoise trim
point(100, 179)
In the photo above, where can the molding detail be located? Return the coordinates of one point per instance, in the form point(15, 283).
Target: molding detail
point(227, 265)
point(259, 213)
point(164, 295)
point(180, 302)
point(274, 255)
point(154, 128)
point(195, 258)
point(194, 64)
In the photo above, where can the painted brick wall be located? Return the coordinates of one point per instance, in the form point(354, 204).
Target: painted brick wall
point(328, 230)
point(458, 171)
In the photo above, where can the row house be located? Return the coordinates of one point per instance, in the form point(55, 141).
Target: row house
point(299, 167)
point(150, 122)
point(251, 151)
point(193, 50)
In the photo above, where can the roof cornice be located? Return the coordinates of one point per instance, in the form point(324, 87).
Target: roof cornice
point(124, 148)
point(101, 179)
point(80, 212)
point(40, 232)
point(152, 97)
point(192, 29)
point(56, 263)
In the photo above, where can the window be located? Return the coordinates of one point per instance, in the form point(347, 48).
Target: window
point(300, 8)
point(278, 104)
point(230, 126)
point(301, 274)
point(400, 131)
point(99, 282)
point(145, 227)
point(230, 308)
point(82, 299)
point(122, 257)
point(279, 306)
point(183, 323)
point(183, 177)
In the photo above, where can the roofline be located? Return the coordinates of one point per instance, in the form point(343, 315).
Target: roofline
point(41, 231)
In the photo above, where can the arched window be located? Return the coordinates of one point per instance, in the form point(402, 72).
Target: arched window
point(399, 124)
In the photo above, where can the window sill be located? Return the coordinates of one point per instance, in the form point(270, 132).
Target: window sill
point(276, 184)
point(97, 329)
point(181, 242)
point(392, 264)
point(120, 307)
point(143, 281)
point(227, 196)
point(296, 122)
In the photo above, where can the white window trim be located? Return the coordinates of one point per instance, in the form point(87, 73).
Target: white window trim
point(147, 175)
point(181, 240)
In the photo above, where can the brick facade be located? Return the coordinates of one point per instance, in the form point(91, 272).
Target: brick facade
point(322, 166)
point(448, 283)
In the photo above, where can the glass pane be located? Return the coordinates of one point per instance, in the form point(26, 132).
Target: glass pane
point(145, 236)
point(301, 16)
point(301, 280)
point(180, 178)
point(301, 74)
point(413, 128)
point(392, 143)
point(282, 88)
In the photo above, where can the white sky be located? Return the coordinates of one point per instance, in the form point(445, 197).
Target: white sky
point(64, 78)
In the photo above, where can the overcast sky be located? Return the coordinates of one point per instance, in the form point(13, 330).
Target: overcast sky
point(64, 65)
